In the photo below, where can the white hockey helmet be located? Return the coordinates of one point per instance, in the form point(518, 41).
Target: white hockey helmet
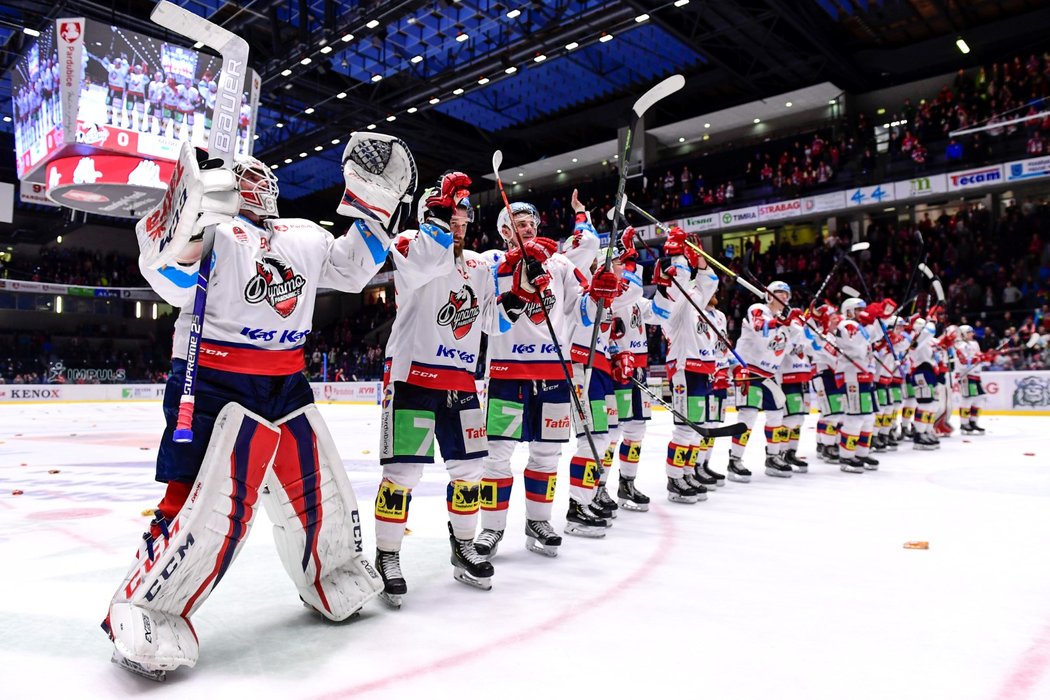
point(258, 186)
point(503, 222)
point(851, 306)
point(777, 286)
point(966, 332)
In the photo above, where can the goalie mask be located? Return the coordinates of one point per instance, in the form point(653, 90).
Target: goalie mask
point(258, 186)
point(380, 175)
point(520, 210)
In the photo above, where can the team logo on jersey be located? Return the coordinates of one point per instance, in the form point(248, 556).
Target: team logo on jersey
point(535, 312)
point(703, 327)
point(276, 283)
point(778, 344)
point(459, 312)
point(636, 317)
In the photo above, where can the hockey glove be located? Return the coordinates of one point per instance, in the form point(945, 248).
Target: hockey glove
point(663, 271)
point(380, 176)
point(452, 190)
point(605, 286)
point(623, 366)
point(512, 304)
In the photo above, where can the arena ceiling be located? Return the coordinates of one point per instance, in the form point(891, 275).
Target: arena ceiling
point(458, 79)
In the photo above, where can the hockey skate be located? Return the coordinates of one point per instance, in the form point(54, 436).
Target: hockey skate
point(488, 542)
point(702, 478)
point(469, 566)
point(541, 538)
point(679, 491)
point(580, 521)
point(605, 501)
point(630, 497)
point(599, 511)
point(137, 668)
point(869, 463)
point(720, 479)
point(851, 465)
point(974, 429)
point(776, 466)
point(820, 451)
point(797, 463)
point(878, 443)
point(388, 564)
point(831, 453)
point(690, 478)
point(891, 441)
point(736, 471)
point(924, 442)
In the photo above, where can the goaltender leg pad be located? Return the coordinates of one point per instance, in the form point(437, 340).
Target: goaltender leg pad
point(150, 642)
point(175, 573)
point(317, 527)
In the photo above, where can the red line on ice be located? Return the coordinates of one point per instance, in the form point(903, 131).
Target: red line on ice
point(1029, 670)
point(667, 536)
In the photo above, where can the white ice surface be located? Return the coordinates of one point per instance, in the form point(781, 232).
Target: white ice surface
point(796, 588)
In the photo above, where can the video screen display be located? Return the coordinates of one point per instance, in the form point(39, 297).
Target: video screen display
point(144, 96)
point(37, 107)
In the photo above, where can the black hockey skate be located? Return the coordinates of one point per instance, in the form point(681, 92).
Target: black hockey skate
point(679, 491)
point(630, 497)
point(702, 478)
point(720, 479)
point(690, 478)
point(388, 564)
point(600, 511)
point(736, 471)
point(470, 567)
point(891, 441)
point(851, 465)
point(797, 463)
point(488, 542)
point(605, 501)
point(582, 522)
point(869, 463)
point(820, 451)
point(541, 538)
point(924, 442)
point(776, 466)
point(878, 442)
point(831, 453)
point(975, 429)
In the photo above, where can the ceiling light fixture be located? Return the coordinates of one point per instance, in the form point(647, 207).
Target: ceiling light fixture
point(279, 125)
point(605, 37)
point(483, 80)
point(412, 110)
point(416, 59)
point(340, 96)
point(376, 78)
point(707, 125)
point(513, 14)
point(318, 148)
point(303, 154)
point(286, 72)
point(347, 38)
point(371, 126)
point(681, 3)
point(335, 142)
point(462, 36)
point(33, 32)
point(287, 160)
point(572, 45)
point(326, 49)
point(787, 104)
point(540, 58)
point(641, 18)
point(372, 23)
point(511, 71)
point(308, 110)
point(457, 91)
point(962, 45)
point(306, 61)
point(435, 100)
point(756, 120)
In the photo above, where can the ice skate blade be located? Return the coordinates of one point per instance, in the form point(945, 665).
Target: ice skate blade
point(393, 600)
point(137, 668)
point(678, 498)
point(584, 531)
point(800, 469)
point(871, 467)
point(772, 471)
point(852, 470)
point(534, 545)
point(482, 584)
point(634, 507)
point(486, 555)
point(741, 478)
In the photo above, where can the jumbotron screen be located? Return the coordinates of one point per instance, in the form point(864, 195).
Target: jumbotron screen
point(89, 84)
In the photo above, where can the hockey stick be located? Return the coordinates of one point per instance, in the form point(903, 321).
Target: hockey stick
point(731, 430)
point(221, 141)
point(707, 256)
point(656, 93)
point(692, 302)
point(855, 248)
point(882, 326)
point(914, 273)
point(850, 291)
point(497, 161)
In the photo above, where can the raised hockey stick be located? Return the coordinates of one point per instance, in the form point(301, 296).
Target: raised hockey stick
point(731, 430)
point(221, 142)
point(656, 93)
point(914, 273)
point(855, 248)
point(850, 291)
point(497, 161)
point(707, 256)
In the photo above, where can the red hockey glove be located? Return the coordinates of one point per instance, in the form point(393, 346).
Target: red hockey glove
point(605, 286)
point(865, 317)
point(623, 367)
point(675, 243)
point(663, 272)
point(795, 317)
point(721, 379)
point(453, 187)
point(875, 310)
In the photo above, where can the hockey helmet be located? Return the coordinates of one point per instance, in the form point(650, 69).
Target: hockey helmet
point(518, 209)
point(951, 332)
point(776, 287)
point(850, 307)
point(966, 332)
point(258, 185)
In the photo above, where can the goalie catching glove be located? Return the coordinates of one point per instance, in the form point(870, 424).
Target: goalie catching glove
point(195, 199)
point(380, 176)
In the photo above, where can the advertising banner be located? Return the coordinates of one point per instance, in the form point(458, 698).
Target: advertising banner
point(920, 186)
point(739, 217)
point(980, 177)
point(820, 203)
point(867, 196)
point(1025, 169)
point(779, 210)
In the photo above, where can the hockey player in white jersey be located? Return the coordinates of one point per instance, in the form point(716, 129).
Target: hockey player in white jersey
point(971, 391)
point(854, 336)
point(764, 340)
point(795, 374)
point(718, 401)
point(630, 354)
point(446, 299)
point(254, 422)
point(528, 395)
point(922, 379)
point(827, 384)
point(691, 359)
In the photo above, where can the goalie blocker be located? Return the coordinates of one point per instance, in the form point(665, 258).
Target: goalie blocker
point(317, 531)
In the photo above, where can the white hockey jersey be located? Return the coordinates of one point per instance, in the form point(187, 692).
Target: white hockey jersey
point(691, 344)
point(966, 353)
point(444, 304)
point(525, 350)
point(262, 288)
point(763, 340)
point(854, 343)
point(631, 312)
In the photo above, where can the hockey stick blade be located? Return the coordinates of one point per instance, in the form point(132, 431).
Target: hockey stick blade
point(857, 247)
point(234, 52)
point(925, 270)
point(731, 430)
point(497, 161)
point(938, 290)
point(850, 291)
point(658, 92)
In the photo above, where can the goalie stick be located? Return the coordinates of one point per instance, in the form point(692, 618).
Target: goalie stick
point(656, 93)
point(731, 430)
point(497, 161)
point(221, 143)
